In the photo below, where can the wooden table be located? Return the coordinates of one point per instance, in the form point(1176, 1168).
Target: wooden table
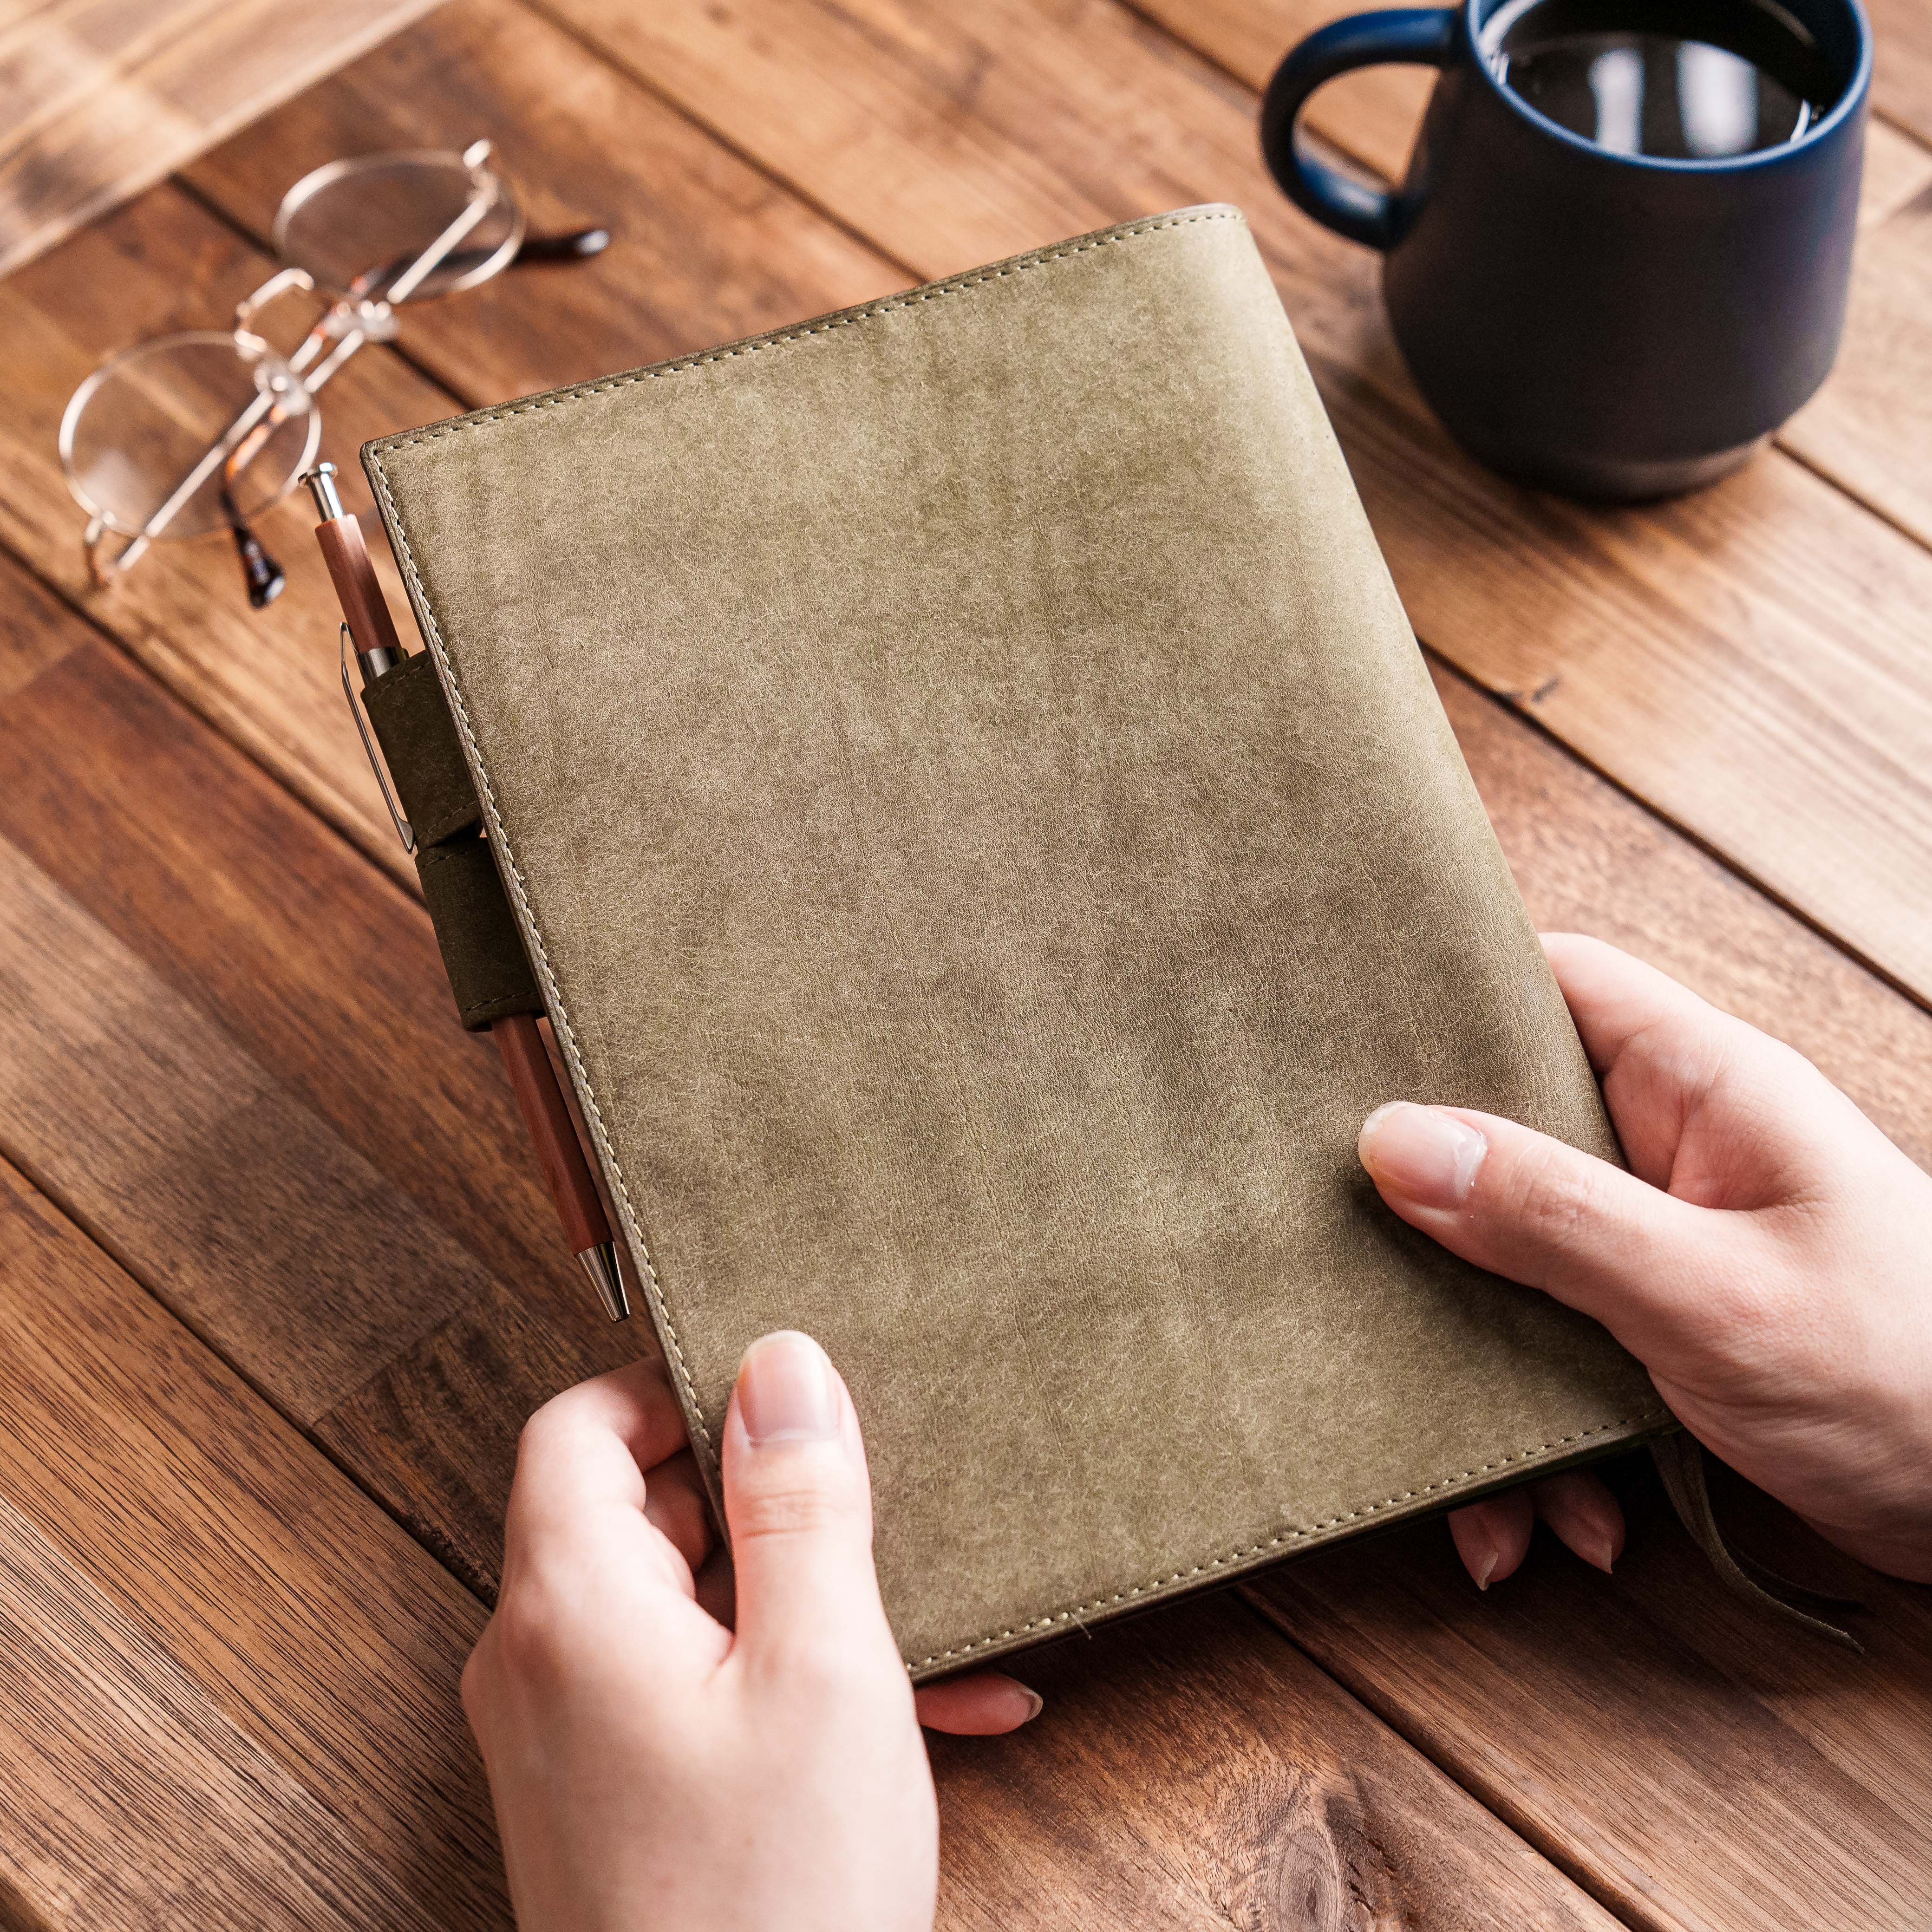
point(276, 1278)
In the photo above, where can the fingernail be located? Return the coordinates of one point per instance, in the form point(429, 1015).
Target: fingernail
point(1421, 1154)
point(1591, 1539)
point(1036, 1703)
point(1583, 1528)
point(785, 1391)
point(1486, 1567)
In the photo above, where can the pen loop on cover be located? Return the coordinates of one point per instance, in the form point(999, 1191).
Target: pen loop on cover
point(402, 824)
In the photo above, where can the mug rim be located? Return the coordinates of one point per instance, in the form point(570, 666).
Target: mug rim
point(1850, 102)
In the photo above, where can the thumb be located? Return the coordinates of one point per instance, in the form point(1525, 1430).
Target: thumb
point(1537, 1211)
point(798, 1507)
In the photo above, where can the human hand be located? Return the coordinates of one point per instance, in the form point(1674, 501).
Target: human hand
point(1766, 1259)
point(649, 1765)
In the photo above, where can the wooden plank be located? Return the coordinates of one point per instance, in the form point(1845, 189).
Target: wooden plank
point(99, 98)
point(1748, 660)
point(1701, 1764)
point(84, 1008)
point(229, 1050)
point(288, 1250)
point(1240, 1789)
point(124, 1784)
point(230, 1691)
point(32, 635)
point(185, 855)
point(1902, 72)
point(1870, 428)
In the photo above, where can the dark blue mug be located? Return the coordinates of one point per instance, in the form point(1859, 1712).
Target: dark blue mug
point(1610, 323)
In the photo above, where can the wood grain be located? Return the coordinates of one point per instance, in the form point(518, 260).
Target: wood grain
point(238, 901)
point(1869, 429)
point(33, 635)
point(1240, 1789)
point(99, 98)
point(231, 1053)
point(123, 1782)
point(1698, 1764)
point(1748, 660)
point(230, 1690)
point(288, 1250)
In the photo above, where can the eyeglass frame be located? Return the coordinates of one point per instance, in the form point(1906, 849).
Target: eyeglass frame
point(351, 321)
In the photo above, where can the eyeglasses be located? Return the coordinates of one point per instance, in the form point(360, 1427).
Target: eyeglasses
point(203, 431)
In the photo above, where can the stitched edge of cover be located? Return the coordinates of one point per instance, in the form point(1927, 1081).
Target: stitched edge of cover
point(373, 455)
point(1443, 1485)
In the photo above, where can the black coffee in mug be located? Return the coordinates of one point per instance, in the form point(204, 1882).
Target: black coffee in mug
point(1620, 257)
point(1685, 79)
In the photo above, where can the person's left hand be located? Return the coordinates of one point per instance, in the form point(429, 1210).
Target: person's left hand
point(652, 1766)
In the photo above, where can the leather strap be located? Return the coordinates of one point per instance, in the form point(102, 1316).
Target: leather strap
point(1680, 1463)
point(482, 950)
point(412, 725)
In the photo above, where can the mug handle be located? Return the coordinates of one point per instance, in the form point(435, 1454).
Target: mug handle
point(1413, 37)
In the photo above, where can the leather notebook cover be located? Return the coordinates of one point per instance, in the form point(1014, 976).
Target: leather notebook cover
point(987, 837)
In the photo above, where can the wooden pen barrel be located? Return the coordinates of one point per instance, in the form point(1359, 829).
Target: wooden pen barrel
point(552, 1131)
point(354, 577)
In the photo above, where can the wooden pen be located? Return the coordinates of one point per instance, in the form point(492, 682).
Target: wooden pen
point(365, 613)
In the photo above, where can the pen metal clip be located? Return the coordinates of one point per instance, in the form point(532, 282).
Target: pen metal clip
point(402, 824)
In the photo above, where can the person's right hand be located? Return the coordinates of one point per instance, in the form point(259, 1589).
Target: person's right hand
point(1768, 1259)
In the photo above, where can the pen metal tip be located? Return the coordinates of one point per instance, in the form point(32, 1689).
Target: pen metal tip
point(600, 1264)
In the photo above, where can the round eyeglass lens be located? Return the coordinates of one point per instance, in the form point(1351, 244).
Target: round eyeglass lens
point(356, 226)
point(140, 426)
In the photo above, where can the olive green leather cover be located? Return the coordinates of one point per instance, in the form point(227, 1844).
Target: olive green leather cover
point(987, 837)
